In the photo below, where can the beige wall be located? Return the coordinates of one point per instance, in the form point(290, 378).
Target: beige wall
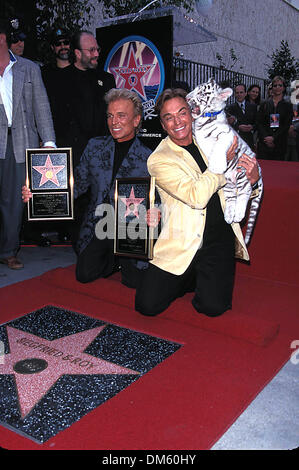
point(253, 28)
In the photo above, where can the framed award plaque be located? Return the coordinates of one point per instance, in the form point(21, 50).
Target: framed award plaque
point(133, 198)
point(49, 176)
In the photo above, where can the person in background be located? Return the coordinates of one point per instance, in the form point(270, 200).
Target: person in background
point(84, 95)
point(17, 38)
point(242, 115)
point(254, 94)
point(55, 80)
point(42, 233)
point(274, 119)
point(85, 85)
point(25, 121)
point(254, 97)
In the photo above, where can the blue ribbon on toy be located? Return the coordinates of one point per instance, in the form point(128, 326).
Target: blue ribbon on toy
point(211, 114)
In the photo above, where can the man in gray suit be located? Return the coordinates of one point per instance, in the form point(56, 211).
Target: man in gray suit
point(25, 121)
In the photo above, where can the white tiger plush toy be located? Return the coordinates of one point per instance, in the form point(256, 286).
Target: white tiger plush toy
point(215, 136)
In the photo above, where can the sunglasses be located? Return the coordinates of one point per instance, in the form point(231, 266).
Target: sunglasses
point(16, 37)
point(278, 84)
point(62, 42)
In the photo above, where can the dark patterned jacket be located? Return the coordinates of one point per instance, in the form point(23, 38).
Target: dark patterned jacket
point(95, 172)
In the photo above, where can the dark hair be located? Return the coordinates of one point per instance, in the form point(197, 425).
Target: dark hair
point(13, 34)
point(258, 99)
point(241, 84)
point(5, 29)
point(225, 84)
point(168, 94)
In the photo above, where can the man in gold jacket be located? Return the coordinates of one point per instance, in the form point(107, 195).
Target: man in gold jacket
point(196, 248)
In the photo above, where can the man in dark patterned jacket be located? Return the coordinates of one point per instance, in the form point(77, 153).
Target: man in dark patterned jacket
point(104, 159)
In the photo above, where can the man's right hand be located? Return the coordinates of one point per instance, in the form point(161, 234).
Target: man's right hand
point(26, 194)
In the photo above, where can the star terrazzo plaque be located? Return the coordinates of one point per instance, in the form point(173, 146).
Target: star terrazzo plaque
point(58, 365)
point(133, 198)
point(49, 176)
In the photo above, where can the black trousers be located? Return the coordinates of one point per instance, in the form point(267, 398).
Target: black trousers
point(98, 260)
point(210, 275)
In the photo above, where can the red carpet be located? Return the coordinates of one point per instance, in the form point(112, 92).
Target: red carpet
point(190, 399)
point(235, 324)
point(274, 245)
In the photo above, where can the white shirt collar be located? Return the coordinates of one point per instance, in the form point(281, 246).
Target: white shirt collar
point(12, 56)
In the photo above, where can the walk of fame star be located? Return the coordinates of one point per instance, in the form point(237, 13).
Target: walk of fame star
point(37, 363)
point(132, 203)
point(59, 365)
point(49, 171)
point(133, 74)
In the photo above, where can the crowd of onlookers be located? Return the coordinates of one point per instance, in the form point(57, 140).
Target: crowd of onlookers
point(270, 126)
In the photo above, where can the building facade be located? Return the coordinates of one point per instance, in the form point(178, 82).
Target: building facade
point(250, 29)
point(247, 32)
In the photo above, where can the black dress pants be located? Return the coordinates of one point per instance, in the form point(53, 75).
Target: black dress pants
point(12, 178)
point(210, 274)
point(98, 260)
